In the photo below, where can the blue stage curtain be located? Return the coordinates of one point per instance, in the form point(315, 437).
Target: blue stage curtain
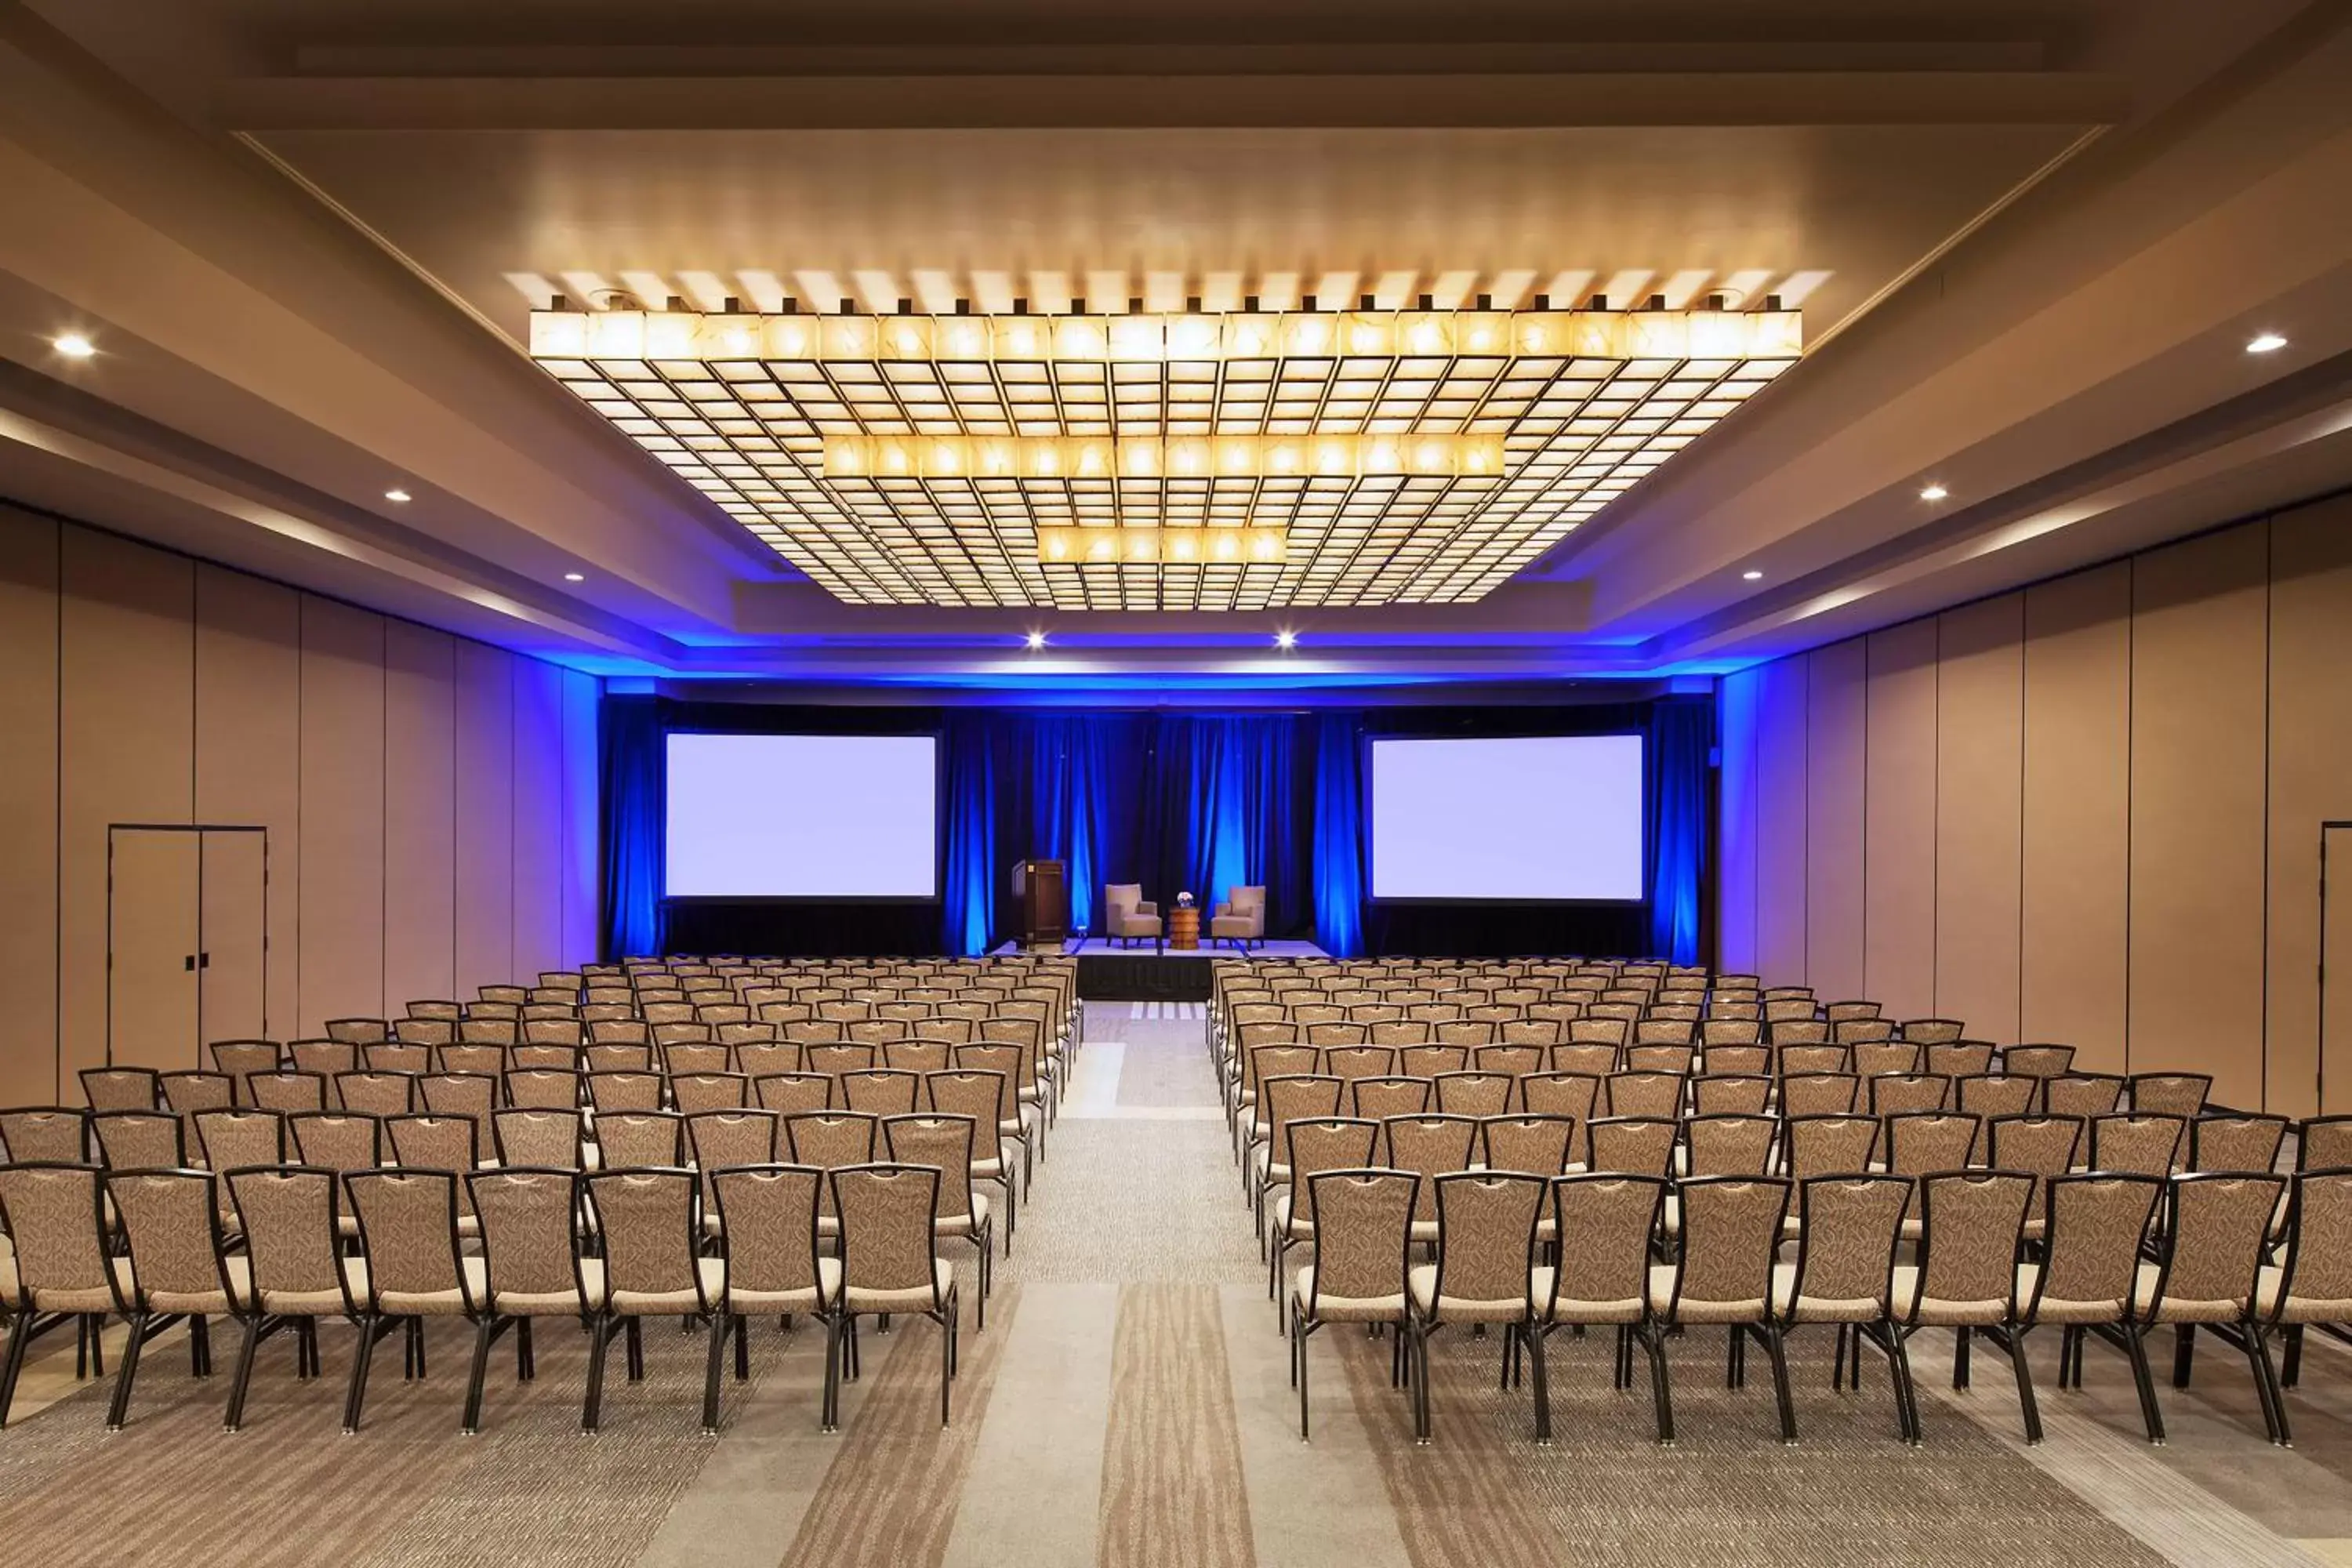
point(1680, 731)
point(1339, 852)
point(630, 738)
point(972, 874)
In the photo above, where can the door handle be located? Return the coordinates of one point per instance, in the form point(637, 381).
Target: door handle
point(191, 963)
point(203, 961)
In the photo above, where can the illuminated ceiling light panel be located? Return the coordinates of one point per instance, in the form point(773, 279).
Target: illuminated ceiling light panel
point(1234, 461)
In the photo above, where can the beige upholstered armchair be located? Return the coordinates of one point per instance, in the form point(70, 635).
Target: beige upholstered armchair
point(1126, 917)
point(1241, 919)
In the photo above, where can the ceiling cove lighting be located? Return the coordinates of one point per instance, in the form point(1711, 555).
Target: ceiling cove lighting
point(73, 345)
point(2266, 344)
point(1190, 461)
point(575, 577)
point(1934, 492)
point(397, 496)
point(1751, 576)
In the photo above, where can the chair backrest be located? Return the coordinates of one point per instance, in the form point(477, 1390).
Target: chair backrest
point(1720, 1031)
point(2235, 1143)
point(344, 1140)
point(1925, 1141)
point(528, 1237)
point(1731, 1226)
point(1379, 1099)
point(1957, 1059)
point(831, 1140)
point(1728, 1094)
point(1643, 1093)
point(1729, 1145)
point(376, 1093)
point(468, 1094)
point(610, 1092)
point(476, 1061)
point(425, 1031)
point(1673, 1059)
point(399, 1057)
point(170, 1218)
point(1486, 1233)
point(138, 1140)
point(1795, 1060)
point(363, 1031)
point(431, 1142)
point(1536, 1146)
point(2323, 1143)
point(1821, 1094)
point(640, 1139)
point(2151, 1144)
point(1429, 1146)
point(2319, 1254)
point(1933, 1031)
point(2082, 1094)
point(881, 1092)
point(2180, 1094)
point(944, 1143)
point(645, 1220)
point(232, 1138)
point(1846, 1247)
point(188, 1092)
point(1904, 1094)
point(408, 1222)
point(1737, 1061)
point(1881, 1059)
point(767, 1227)
point(1604, 1224)
point(790, 1093)
point(1570, 1094)
point(239, 1058)
point(696, 1093)
point(1473, 1093)
point(1280, 1099)
point(2039, 1146)
point(886, 1214)
point(2037, 1061)
point(325, 1058)
point(1969, 1243)
point(1832, 1144)
point(1630, 1145)
point(499, 1032)
point(289, 1214)
point(55, 1214)
point(120, 1088)
point(2091, 1258)
point(2219, 1231)
point(287, 1092)
point(1363, 1226)
point(1433, 1061)
point(682, 1058)
point(542, 1088)
point(538, 1136)
point(1989, 1096)
point(719, 1139)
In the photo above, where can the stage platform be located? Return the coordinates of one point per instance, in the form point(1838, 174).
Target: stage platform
point(1110, 973)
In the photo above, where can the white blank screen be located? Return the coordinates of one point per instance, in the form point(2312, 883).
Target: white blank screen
point(802, 816)
point(1554, 816)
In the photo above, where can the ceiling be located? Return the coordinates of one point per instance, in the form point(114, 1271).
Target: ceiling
point(2028, 243)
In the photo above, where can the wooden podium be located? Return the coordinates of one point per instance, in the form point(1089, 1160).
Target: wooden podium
point(1042, 890)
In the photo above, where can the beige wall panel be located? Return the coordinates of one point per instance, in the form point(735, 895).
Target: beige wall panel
point(1837, 722)
point(485, 747)
point(249, 747)
point(1735, 908)
point(2075, 951)
point(2310, 783)
point(581, 855)
point(538, 816)
point(2198, 760)
point(342, 813)
point(1899, 821)
point(29, 805)
point(1780, 795)
point(1979, 814)
point(420, 816)
point(126, 747)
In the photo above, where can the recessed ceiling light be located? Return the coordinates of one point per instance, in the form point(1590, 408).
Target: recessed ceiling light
point(1036, 639)
point(2266, 342)
point(574, 577)
point(1934, 492)
point(1285, 639)
point(395, 494)
point(73, 345)
point(1751, 576)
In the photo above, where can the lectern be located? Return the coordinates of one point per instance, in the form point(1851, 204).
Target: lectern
point(1042, 890)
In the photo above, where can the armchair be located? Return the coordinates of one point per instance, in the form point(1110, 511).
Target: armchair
point(1241, 919)
point(1126, 918)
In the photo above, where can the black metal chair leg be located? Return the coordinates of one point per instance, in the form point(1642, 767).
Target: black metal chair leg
point(200, 1348)
point(635, 1349)
point(235, 1417)
point(2184, 1354)
point(2136, 1346)
point(1298, 1371)
point(743, 1349)
point(1533, 1338)
point(2291, 1370)
point(484, 1333)
point(1967, 1336)
point(370, 1330)
point(20, 1334)
point(117, 1412)
point(592, 1410)
point(1781, 1382)
point(1661, 1390)
point(721, 1324)
point(2026, 1405)
point(828, 1413)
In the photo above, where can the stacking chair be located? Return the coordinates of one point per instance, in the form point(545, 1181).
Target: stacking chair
point(1821, 1094)
point(239, 1059)
point(415, 1268)
point(1428, 1147)
point(890, 1265)
point(324, 1057)
point(2215, 1240)
point(1363, 1220)
point(2038, 1060)
point(231, 1139)
point(1485, 1241)
point(1630, 1145)
point(768, 1244)
point(2181, 1094)
point(612, 1092)
point(2235, 1143)
point(790, 1093)
point(1849, 1229)
point(61, 1272)
point(288, 1217)
point(1731, 1226)
point(945, 1143)
point(640, 1141)
point(2312, 1287)
point(2040, 1147)
point(138, 1140)
point(530, 1136)
point(1604, 1225)
point(2088, 1279)
point(531, 1265)
point(120, 1088)
point(171, 1229)
point(2084, 1095)
point(1965, 1276)
point(287, 1093)
point(1312, 1144)
point(653, 1269)
point(830, 1141)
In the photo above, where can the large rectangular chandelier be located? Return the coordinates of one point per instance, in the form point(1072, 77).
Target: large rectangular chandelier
point(1215, 461)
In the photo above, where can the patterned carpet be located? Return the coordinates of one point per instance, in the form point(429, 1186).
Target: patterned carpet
point(1128, 1405)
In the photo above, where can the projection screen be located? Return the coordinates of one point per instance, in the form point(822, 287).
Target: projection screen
point(1550, 818)
point(802, 816)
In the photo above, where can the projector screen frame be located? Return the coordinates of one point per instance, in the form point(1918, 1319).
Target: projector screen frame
point(939, 740)
point(1371, 847)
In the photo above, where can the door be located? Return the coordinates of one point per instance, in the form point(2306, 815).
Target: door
point(232, 960)
point(2334, 966)
point(153, 912)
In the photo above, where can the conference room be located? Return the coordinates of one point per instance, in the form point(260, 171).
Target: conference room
point(1291, 785)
